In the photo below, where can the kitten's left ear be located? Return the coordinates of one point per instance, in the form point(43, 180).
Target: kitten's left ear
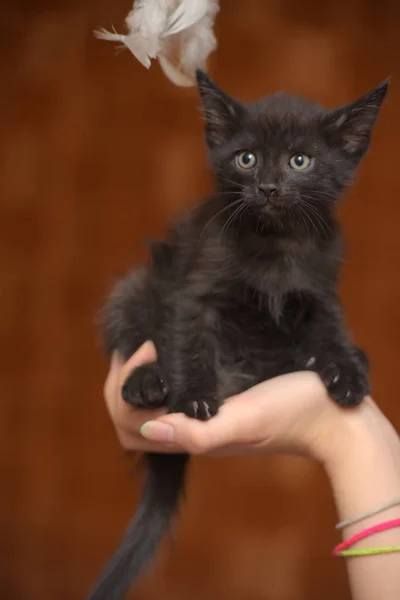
point(222, 112)
point(351, 126)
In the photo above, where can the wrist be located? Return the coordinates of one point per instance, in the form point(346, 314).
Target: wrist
point(361, 456)
point(344, 432)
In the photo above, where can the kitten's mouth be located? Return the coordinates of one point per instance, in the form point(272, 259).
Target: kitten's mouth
point(273, 208)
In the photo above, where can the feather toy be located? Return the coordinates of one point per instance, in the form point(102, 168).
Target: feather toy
point(179, 33)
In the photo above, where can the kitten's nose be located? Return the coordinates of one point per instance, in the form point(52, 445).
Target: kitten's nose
point(269, 189)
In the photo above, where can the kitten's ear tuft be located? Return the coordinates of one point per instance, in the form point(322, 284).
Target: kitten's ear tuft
point(222, 112)
point(351, 126)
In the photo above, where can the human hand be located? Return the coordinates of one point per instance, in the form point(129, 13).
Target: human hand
point(288, 414)
point(126, 419)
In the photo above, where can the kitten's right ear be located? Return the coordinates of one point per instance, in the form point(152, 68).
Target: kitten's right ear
point(222, 112)
point(351, 126)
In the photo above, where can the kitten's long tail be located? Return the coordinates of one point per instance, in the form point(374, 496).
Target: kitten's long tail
point(160, 501)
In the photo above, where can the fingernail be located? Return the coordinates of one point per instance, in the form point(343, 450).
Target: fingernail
point(157, 431)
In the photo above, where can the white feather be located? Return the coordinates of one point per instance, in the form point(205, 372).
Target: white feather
point(179, 33)
point(197, 47)
point(173, 73)
point(186, 14)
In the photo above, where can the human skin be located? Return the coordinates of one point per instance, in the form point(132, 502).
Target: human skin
point(292, 414)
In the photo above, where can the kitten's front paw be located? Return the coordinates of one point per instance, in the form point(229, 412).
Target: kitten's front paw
point(145, 387)
point(346, 378)
point(202, 410)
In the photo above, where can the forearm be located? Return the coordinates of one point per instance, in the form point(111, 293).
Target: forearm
point(363, 465)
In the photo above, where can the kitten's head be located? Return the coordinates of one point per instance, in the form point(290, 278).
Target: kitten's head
point(284, 155)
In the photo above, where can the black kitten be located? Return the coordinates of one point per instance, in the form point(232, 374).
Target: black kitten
point(244, 288)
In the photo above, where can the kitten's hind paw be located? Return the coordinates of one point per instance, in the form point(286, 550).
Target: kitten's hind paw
point(145, 387)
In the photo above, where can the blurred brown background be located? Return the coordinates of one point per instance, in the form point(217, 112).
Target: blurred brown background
point(97, 153)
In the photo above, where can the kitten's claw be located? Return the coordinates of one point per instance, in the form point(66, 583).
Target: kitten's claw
point(207, 409)
point(330, 375)
point(195, 409)
point(311, 362)
point(203, 410)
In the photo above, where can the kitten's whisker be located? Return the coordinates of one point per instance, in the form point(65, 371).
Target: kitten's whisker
point(226, 180)
point(318, 217)
point(320, 225)
point(311, 202)
point(319, 192)
point(231, 218)
point(308, 219)
point(299, 213)
point(234, 203)
point(230, 193)
point(245, 207)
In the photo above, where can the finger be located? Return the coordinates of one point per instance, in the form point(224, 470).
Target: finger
point(234, 424)
point(111, 385)
point(112, 375)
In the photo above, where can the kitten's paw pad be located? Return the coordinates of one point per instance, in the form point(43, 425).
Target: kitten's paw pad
point(348, 384)
point(145, 387)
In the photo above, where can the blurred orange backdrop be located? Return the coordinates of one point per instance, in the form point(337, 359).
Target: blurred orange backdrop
point(96, 154)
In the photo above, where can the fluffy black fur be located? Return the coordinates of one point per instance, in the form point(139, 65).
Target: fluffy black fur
point(244, 287)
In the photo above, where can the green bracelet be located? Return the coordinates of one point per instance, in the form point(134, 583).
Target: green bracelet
point(369, 551)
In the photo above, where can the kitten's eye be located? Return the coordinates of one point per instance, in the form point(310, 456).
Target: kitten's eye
point(300, 162)
point(246, 160)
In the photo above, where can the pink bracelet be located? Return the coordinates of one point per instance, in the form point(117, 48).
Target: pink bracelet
point(366, 533)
